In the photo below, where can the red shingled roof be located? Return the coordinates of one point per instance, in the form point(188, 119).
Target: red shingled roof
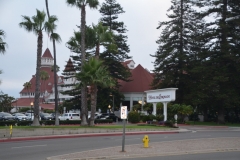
point(45, 85)
point(25, 102)
point(47, 54)
point(141, 81)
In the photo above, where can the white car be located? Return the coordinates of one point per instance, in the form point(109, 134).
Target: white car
point(20, 117)
point(97, 115)
point(31, 116)
point(69, 116)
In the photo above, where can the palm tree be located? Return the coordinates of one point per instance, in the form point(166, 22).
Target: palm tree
point(103, 36)
point(58, 39)
point(44, 76)
point(2, 44)
point(94, 74)
point(37, 25)
point(81, 5)
point(0, 73)
point(57, 68)
point(28, 85)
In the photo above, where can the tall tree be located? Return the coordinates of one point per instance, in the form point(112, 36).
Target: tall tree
point(110, 11)
point(2, 46)
point(36, 25)
point(54, 37)
point(94, 74)
point(175, 49)
point(102, 37)
point(81, 5)
point(221, 60)
point(2, 43)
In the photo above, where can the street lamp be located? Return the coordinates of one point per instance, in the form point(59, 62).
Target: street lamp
point(109, 107)
point(113, 102)
point(31, 108)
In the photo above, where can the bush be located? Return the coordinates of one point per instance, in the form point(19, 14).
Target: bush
point(159, 117)
point(52, 122)
point(144, 118)
point(168, 123)
point(152, 117)
point(133, 117)
point(7, 123)
point(97, 121)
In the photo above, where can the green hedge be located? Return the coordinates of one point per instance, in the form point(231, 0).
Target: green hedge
point(133, 117)
point(145, 118)
point(28, 123)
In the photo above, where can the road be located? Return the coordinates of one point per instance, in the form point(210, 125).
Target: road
point(40, 149)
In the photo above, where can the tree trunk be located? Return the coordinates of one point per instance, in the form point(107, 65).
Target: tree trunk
point(93, 103)
point(97, 51)
point(83, 89)
point(205, 115)
point(221, 118)
point(55, 74)
point(37, 89)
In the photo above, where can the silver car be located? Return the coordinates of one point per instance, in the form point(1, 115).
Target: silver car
point(21, 117)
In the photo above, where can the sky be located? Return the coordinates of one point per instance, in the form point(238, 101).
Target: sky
point(18, 64)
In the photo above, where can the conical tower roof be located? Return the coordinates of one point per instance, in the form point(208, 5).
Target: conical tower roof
point(47, 54)
point(69, 67)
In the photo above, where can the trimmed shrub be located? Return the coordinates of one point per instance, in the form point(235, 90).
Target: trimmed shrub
point(168, 123)
point(97, 121)
point(7, 123)
point(133, 117)
point(159, 117)
point(152, 117)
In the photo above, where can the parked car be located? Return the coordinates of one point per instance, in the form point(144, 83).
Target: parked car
point(6, 116)
point(111, 116)
point(102, 115)
point(46, 116)
point(96, 116)
point(20, 117)
point(70, 116)
point(53, 116)
point(31, 116)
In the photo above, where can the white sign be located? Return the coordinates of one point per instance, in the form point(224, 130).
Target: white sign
point(161, 95)
point(123, 112)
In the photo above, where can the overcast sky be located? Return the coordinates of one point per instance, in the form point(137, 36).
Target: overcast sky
point(18, 64)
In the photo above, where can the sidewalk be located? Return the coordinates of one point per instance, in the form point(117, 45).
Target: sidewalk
point(50, 133)
point(178, 147)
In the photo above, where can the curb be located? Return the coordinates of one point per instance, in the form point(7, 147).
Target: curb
point(86, 135)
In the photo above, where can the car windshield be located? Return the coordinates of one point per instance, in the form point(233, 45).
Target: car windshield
point(19, 114)
point(7, 114)
point(75, 114)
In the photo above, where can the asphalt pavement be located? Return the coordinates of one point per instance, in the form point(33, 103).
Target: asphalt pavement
point(155, 149)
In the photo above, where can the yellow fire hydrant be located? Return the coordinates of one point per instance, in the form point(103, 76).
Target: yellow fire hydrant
point(10, 131)
point(145, 141)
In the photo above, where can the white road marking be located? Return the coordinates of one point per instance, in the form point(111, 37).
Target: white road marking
point(29, 146)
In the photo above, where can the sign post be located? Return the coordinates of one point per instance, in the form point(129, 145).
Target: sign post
point(124, 117)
